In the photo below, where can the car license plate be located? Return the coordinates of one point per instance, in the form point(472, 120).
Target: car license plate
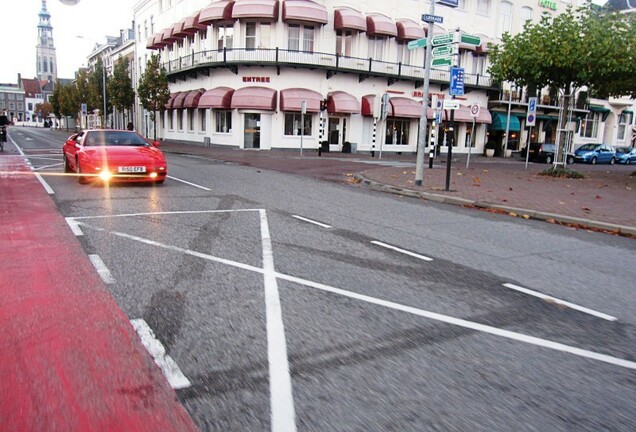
point(132, 169)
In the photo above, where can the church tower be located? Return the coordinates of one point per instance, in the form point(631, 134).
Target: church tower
point(45, 50)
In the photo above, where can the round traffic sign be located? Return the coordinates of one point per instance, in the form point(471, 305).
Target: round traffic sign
point(530, 119)
point(474, 110)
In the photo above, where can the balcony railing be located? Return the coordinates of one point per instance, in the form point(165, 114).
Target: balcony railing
point(331, 62)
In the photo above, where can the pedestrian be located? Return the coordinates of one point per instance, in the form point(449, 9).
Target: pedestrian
point(130, 126)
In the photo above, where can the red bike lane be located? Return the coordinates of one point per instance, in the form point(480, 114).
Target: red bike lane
point(70, 358)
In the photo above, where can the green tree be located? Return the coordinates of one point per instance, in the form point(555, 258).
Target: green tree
point(44, 109)
point(585, 47)
point(96, 87)
point(55, 101)
point(68, 102)
point(120, 87)
point(82, 89)
point(153, 89)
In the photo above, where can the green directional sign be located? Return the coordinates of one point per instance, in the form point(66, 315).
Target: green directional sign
point(442, 51)
point(443, 39)
point(470, 39)
point(442, 61)
point(418, 43)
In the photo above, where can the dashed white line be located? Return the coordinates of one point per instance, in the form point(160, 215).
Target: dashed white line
point(560, 302)
point(189, 183)
point(77, 231)
point(101, 268)
point(168, 366)
point(311, 221)
point(46, 186)
point(413, 254)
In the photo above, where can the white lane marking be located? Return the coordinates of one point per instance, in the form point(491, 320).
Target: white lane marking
point(165, 213)
point(396, 306)
point(413, 254)
point(189, 183)
point(47, 166)
point(311, 221)
point(74, 226)
point(168, 366)
point(560, 302)
point(101, 268)
point(280, 386)
point(46, 186)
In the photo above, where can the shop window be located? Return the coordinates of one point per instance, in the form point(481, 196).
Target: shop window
point(170, 115)
point(190, 119)
point(180, 114)
point(223, 121)
point(397, 131)
point(293, 122)
point(300, 37)
point(202, 119)
point(624, 120)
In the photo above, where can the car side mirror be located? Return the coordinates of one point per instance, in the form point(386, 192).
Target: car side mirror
point(156, 143)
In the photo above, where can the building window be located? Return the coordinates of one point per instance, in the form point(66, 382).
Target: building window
point(190, 119)
point(505, 17)
point(11, 96)
point(12, 106)
point(30, 105)
point(479, 63)
point(526, 15)
point(344, 40)
point(404, 54)
point(146, 29)
point(152, 24)
point(225, 37)
point(590, 125)
point(300, 36)
point(377, 46)
point(483, 7)
point(224, 121)
point(180, 114)
point(293, 122)
point(202, 119)
point(20, 106)
point(170, 115)
point(257, 35)
point(624, 120)
point(397, 131)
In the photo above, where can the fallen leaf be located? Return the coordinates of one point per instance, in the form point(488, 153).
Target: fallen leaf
point(561, 202)
point(509, 188)
point(525, 216)
point(628, 188)
point(405, 172)
point(394, 176)
point(512, 214)
point(460, 174)
point(586, 209)
point(504, 200)
point(598, 197)
point(409, 181)
point(484, 171)
point(550, 220)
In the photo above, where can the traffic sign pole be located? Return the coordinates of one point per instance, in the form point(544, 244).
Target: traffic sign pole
point(421, 142)
point(451, 132)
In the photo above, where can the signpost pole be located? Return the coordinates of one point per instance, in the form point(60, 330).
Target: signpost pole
point(470, 144)
point(528, 146)
point(421, 142)
point(303, 110)
point(451, 130)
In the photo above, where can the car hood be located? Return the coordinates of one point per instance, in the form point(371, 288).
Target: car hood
point(133, 155)
point(580, 152)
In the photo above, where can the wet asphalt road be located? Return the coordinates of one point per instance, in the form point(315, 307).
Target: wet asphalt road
point(370, 337)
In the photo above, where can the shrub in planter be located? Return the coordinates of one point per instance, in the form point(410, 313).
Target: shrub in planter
point(346, 147)
point(324, 146)
point(490, 145)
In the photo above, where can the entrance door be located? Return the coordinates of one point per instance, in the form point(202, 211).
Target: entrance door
point(337, 132)
point(252, 131)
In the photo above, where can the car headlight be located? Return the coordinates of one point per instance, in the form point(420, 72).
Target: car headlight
point(105, 175)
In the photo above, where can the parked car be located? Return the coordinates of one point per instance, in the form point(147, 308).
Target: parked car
point(595, 153)
point(544, 152)
point(114, 155)
point(625, 155)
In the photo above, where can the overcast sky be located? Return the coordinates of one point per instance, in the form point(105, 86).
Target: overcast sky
point(92, 19)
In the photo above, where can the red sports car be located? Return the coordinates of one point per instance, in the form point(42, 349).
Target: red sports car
point(114, 155)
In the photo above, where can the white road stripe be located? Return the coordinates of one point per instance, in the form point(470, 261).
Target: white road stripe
point(179, 212)
point(47, 166)
point(280, 386)
point(189, 183)
point(413, 254)
point(311, 221)
point(46, 186)
point(560, 302)
point(396, 306)
point(101, 268)
point(168, 366)
point(74, 226)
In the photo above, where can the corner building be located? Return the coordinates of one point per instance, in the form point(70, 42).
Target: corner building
point(240, 71)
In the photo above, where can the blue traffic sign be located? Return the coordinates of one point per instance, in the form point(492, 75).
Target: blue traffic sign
point(457, 81)
point(449, 3)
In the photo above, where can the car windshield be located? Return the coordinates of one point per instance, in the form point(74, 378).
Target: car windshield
point(623, 150)
point(114, 138)
point(588, 147)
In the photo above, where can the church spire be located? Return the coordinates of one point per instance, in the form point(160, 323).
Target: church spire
point(46, 62)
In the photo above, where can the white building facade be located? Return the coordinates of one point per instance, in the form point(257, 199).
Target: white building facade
point(241, 72)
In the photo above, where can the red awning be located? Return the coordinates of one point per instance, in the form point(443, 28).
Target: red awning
point(404, 107)
point(192, 25)
point(304, 11)
point(340, 102)
point(484, 116)
point(217, 11)
point(409, 30)
point(260, 98)
point(179, 99)
point(177, 30)
point(262, 9)
point(219, 98)
point(348, 19)
point(290, 99)
point(367, 105)
point(150, 43)
point(192, 98)
point(167, 37)
point(380, 25)
point(170, 102)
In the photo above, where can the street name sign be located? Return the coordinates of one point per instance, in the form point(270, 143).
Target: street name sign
point(432, 18)
point(442, 51)
point(451, 104)
point(456, 81)
point(443, 39)
point(417, 43)
point(442, 61)
point(470, 39)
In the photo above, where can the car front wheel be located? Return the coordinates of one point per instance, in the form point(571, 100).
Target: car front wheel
point(593, 161)
point(627, 162)
point(80, 178)
point(612, 160)
point(570, 160)
point(548, 159)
